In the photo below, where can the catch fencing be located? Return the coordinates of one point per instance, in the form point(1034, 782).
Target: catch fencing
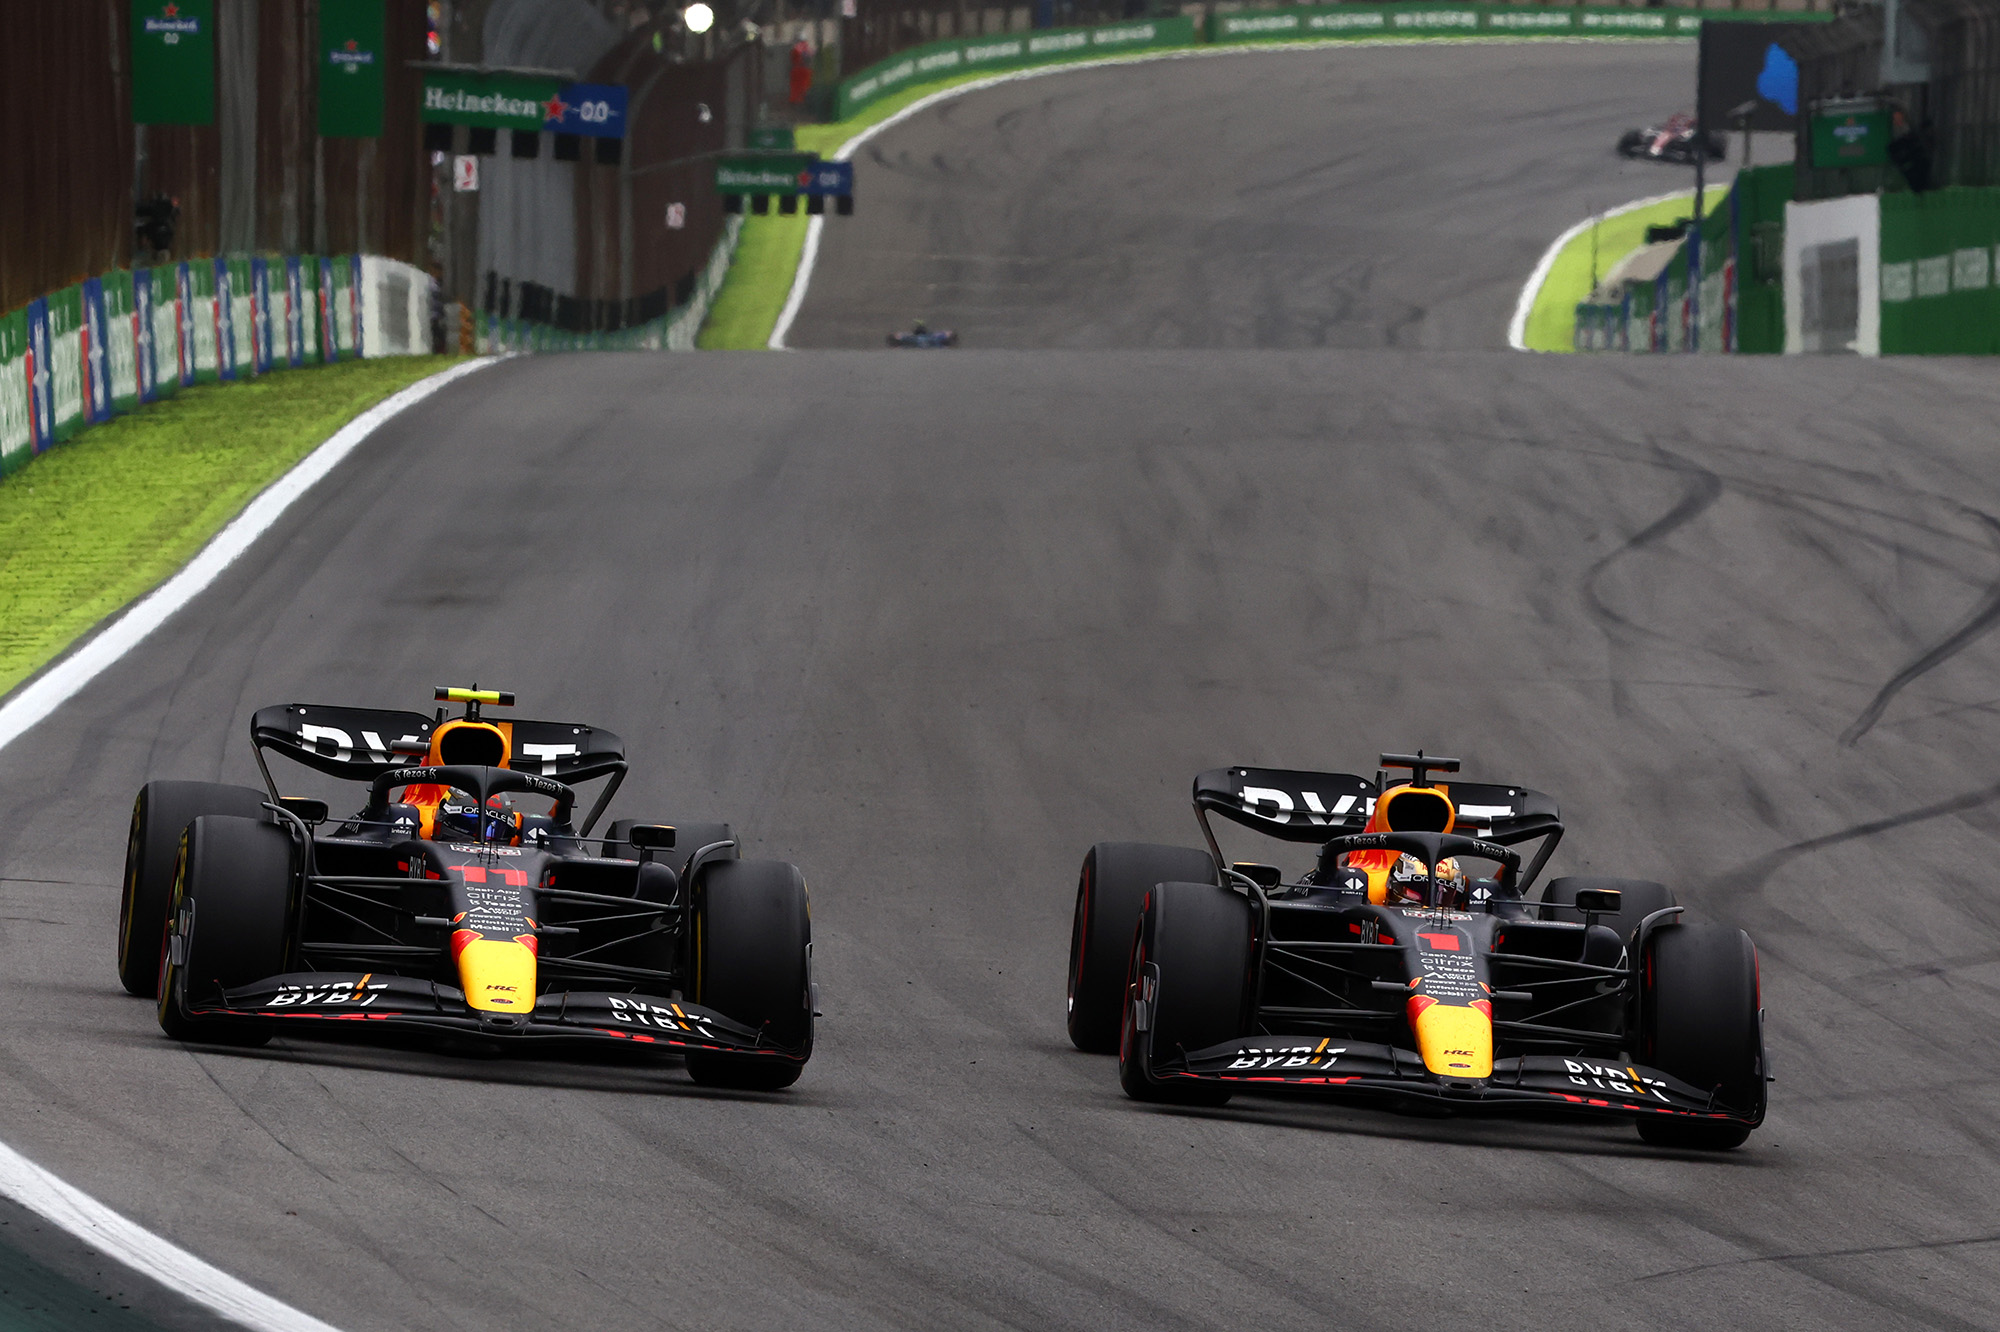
point(109, 344)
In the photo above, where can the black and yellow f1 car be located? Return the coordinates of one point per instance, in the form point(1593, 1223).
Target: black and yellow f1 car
point(462, 899)
point(1390, 970)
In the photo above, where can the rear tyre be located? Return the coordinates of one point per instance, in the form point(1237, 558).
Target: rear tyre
point(1638, 899)
point(159, 816)
point(752, 963)
point(231, 915)
point(1631, 143)
point(1116, 878)
point(1190, 968)
point(1699, 1021)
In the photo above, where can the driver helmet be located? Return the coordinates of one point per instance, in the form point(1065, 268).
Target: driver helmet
point(458, 820)
point(1407, 882)
point(920, 328)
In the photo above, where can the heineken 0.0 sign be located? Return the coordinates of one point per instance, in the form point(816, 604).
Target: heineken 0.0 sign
point(173, 62)
point(491, 101)
point(1857, 138)
point(777, 173)
point(351, 68)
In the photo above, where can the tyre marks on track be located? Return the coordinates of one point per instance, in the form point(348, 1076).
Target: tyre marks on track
point(1974, 627)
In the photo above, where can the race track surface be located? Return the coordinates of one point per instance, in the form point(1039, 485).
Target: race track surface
point(1341, 197)
point(931, 625)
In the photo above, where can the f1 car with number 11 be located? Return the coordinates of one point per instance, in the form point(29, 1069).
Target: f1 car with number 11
point(1391, 970)
point(461, 900)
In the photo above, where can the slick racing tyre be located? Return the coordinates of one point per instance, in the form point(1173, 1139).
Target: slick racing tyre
point(688, 839)
point(752, 962)
point(230, 922)
point(1638, 899)
point(1190, 979)
point(1115, 880)
point(1632, 143)
point(159, 816)
point(1699, 1021)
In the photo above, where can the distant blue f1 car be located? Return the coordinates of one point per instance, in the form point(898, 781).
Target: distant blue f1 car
point(921, 335)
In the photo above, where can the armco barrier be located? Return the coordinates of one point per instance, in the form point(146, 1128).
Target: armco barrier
point(81, 355)
point(673, 331)
point(1000, 52)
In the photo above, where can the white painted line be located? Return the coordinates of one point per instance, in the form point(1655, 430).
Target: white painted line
point(809, 255)
point(1517, 327)
point(61, 682)
point(130, 1243)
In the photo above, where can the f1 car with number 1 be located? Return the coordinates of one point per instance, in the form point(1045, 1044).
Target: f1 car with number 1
point(1388, 970)
point(461, 900)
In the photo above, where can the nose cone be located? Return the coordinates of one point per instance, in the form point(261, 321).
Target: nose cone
point(497, 975)
point(1455, 1040)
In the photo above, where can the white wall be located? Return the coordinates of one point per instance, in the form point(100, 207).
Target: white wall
point(395, 308)
point(1857, 217)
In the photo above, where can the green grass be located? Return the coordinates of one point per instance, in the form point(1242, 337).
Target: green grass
point(97, 521)
point(1552, 318)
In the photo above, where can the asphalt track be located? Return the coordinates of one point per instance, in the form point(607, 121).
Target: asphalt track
point(929, 626)
point(1357, 196)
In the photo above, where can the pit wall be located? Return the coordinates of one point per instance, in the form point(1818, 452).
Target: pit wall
point(1870, 274)
point(1346, 22)
point(112, 343)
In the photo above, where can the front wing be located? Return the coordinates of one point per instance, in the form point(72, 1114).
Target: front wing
point(1544, 1082)
point(405, 1002)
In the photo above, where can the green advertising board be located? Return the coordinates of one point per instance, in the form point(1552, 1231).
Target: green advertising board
point(775, 174)
point(488, 101)
point(1858, 138)
point(352, 64)
point(778, 137)
point(921, 64)
point(173, 62)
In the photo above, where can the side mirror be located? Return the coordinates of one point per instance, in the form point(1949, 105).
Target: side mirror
point(1264, 876)
point(1598, 901)
point(660, 837)
point(309, 812)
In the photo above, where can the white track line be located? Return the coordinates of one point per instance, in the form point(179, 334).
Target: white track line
point(137, 1247)
point(1517, 327)
point(809, 255)
point(21, 1179)
point(61, 682)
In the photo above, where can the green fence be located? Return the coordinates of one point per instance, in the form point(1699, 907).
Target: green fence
point(937, 60)
point(109, 344)
point(1446, 20)
point(1939, 253)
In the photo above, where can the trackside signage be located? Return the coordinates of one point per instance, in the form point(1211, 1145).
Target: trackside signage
point(939, 60)
point(1434, 20)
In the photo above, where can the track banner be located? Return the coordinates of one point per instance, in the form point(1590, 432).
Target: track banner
point(352, 65)
point(173, 62)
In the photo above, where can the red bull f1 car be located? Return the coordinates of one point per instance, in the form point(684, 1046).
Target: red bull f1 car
point(462, 899)
point(1410, 965)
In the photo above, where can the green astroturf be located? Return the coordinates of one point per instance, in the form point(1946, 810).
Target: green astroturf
point(1552, 318)
point(99, 520)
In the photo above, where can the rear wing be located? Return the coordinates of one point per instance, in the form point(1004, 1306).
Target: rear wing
point(1316, 807)
point(361, 744)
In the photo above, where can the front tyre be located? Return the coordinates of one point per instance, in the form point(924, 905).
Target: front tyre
point(1116, 878)
point(159, 816)
point(1189, 988)
point(1700, 1020)
point(230, 923)
point(752, 962)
